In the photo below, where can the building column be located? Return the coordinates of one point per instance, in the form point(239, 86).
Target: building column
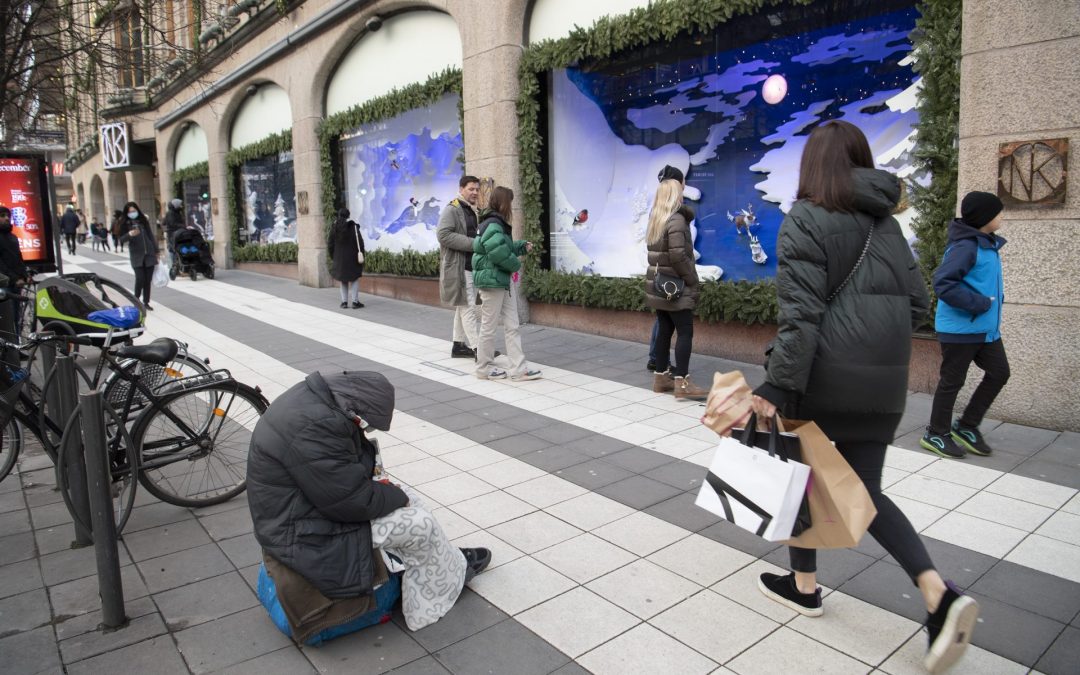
point(310, 226)
point(1002, 100)
point(219, 206)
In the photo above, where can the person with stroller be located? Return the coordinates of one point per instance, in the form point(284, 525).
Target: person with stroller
point(142, 250)
point(174, 222)
point(346, 247)
point(849, 292)
point(323, 507)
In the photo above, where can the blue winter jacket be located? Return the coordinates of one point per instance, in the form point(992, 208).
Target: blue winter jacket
point(969, 286)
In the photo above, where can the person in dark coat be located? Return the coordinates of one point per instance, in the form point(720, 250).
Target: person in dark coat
point(69, 226)
point(344, 246)
point(12, 265)
point(142, 249)
point(322, 506)
point(849, 292)
point(174, 221)
point(116, 227)
point(671, 252)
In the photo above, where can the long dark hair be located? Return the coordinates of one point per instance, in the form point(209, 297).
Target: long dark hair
point(831, 152)
point(502, 200)
point(142, 216)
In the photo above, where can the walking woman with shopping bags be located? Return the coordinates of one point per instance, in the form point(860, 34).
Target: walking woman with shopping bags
point(142, 249)
point(849, 292)
point(346, 247)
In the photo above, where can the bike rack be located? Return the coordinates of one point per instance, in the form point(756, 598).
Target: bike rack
point(98, 483)
point(67, 396)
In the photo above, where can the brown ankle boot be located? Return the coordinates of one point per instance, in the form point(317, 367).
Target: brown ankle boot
point(663, 383)
point(685, 389)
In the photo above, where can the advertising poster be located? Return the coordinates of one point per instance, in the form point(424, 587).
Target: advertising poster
point(20, 191)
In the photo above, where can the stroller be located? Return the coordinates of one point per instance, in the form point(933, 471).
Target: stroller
point(191, 254)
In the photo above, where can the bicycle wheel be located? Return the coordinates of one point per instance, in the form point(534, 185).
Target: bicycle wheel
point(153, 376)
point(193, 444)
point(50, 436)
point(10, 446)
point(121, 462)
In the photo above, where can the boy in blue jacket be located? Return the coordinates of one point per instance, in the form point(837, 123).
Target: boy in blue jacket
point(969, 289)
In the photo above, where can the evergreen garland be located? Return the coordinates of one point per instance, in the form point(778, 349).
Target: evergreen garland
point(937, 59)
point(392, 104)
point(663, 21)
point(271, 145)
point(193, 172)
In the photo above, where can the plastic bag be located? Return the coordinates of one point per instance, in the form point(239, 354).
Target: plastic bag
point(161, 276)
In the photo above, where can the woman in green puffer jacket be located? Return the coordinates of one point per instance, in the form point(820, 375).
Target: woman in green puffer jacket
point(495, 259)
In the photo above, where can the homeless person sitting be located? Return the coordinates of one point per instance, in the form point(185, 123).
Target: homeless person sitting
point(321, 512)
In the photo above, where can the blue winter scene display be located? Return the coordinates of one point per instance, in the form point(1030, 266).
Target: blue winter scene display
point(735, 121)
point(400, 173)
point(269, 191)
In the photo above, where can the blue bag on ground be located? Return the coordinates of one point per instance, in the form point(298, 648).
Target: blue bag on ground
point(385, 597)
point(120, 317)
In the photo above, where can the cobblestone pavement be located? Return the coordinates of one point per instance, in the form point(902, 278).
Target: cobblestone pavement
point(581, 483)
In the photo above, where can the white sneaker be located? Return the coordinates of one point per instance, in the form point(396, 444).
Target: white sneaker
point(527, 375)
point(493, 374)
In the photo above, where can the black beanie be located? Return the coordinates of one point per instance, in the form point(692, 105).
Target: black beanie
point(669, 173)
point(979, 208)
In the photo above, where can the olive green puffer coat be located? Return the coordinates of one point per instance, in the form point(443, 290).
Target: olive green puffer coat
point(848, 357)
point(495, 254)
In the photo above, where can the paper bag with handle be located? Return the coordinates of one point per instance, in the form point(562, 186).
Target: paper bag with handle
point(728, 404)
point(840, 507)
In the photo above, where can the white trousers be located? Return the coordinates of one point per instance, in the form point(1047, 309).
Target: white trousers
point(499, 308)
point(434, 568)
point(466, 316)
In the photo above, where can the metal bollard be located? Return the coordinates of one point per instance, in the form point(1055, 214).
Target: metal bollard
point(99, 485)
point(47, 351)
point(68, 397)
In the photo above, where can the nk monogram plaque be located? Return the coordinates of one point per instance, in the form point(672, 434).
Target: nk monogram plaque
point(1033, 173)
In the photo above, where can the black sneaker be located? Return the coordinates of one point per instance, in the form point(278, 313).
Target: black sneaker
point(344, 305)
point(476, 561)
point(782, 589)
point(651, 366)
point(942, 445)
point(949, 629)
point(970, 439)
point(461, 351)
point(357, 305)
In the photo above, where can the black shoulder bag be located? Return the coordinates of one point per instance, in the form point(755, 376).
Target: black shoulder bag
point(668, 286)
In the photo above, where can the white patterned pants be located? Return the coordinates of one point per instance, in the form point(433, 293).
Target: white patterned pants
point(434, 568)
point(466, 317)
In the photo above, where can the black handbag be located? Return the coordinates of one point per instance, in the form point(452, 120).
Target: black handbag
point(668, 286)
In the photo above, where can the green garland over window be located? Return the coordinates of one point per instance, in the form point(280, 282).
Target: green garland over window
point(664, 21)
point(937, 59)
point(396, 102)
point(193, 172)
point(271, 145)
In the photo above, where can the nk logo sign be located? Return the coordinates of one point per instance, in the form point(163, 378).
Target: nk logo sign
point(115, 146)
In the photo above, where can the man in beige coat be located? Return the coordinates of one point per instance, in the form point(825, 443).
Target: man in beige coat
point(456, 231)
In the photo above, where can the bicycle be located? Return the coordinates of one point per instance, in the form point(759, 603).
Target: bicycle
point(188, 445)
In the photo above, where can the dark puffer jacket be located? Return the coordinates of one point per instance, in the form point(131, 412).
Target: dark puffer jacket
point(310, 484)
point(845, 362)
point(675, 255)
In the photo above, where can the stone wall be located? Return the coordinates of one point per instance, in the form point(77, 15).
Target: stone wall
point(1020, 80)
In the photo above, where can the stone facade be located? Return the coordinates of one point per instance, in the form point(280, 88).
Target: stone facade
point(1020, 81)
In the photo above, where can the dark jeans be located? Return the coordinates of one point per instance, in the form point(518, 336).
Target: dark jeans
point(682, 322)
point(652, 341)
point(143, 279)
point(890, 527)
point(70, 239)
point(956, 357)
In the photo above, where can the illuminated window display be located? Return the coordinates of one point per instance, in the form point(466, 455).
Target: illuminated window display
point(268, 194)
point(732, 110)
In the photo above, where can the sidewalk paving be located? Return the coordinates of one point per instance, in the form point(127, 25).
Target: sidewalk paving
point(581, 483)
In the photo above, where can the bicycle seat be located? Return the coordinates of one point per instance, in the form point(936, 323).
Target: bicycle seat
point(159, 352)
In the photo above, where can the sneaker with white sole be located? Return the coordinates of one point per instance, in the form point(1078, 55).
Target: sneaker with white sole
point(493, 374)
point(782, 589)
point(527, 375)
point(949, 629)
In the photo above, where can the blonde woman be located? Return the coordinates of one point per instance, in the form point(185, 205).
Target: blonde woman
point(483, 202)
point(671, 254)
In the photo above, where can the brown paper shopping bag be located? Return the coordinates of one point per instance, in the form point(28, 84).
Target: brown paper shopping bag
point(840, 507)
point(728, 404)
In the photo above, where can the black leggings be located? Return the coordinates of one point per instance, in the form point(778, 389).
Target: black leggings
point(956, 358)
point(143, 281)
point(890, 528)
point(681, 321)
point(70, 239)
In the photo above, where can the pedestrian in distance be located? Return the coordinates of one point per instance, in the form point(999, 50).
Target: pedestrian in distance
point(849, 293)
point(69, 226)
point(969, 288)
point(83, 228)
point(174, 222)
point(346, 248)
point(671, 253)
point(142, 250)
point(116, 227)
point(495, 260)
point(456, 231)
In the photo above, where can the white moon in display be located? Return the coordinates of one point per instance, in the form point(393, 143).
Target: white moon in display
point(775, 89)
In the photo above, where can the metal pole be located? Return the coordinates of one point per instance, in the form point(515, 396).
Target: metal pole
point(68, 394)
point(47, 350)
point(99, 485)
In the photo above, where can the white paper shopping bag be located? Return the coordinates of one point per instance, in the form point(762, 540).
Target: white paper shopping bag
point(758, 491)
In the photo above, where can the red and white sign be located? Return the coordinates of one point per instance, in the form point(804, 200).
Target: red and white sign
point(20, 192)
